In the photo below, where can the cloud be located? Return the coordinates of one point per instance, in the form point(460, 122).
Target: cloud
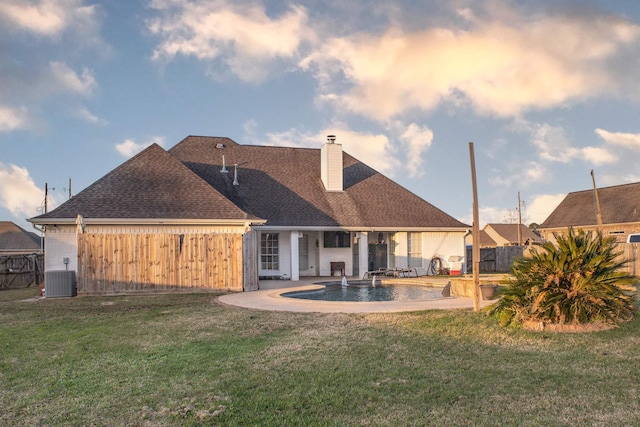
point(373, 149)
point(502, 63)
point(18, 192)
point(626, 140)
point(129, 147)
point(13, 118)
point(401, 146)
point(519, 174)
point(542, 205)
point(242, 36)
point(49, 18)
point(64, 79)
point(416, 140)
point(45, 17)
point(554, 145)
point(86, 115)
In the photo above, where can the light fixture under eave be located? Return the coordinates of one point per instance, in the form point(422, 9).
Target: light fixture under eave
point(224, 166)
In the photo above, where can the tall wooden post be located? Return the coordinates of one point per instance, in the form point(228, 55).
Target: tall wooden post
point(519, 221)
point(475, 252)
point(597, 202)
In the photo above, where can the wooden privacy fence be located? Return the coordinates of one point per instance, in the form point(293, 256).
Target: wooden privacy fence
point(631, 253)
point(501, 258)
point(495, 260)
point(21, 271)
point(123, 263)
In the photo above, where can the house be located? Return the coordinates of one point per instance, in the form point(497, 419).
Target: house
point(212, 213)
point(508, 234)
point(500, 246)
point(497, 234)
point(619, 209)
point(16, 241)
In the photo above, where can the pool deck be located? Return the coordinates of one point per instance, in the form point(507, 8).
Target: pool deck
point(268, 298)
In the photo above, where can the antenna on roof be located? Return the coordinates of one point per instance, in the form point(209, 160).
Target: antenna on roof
point(224, 166)
point(235, 175)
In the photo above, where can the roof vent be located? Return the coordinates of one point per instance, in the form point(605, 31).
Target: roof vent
point(224, 166)
point(235, 175)
point(219, 145)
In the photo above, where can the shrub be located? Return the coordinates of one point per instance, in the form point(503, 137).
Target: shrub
point(579, 280)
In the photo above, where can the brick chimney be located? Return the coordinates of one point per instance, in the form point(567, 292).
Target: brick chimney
point(331, 164)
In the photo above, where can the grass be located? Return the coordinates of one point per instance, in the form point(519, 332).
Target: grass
point(159, 360)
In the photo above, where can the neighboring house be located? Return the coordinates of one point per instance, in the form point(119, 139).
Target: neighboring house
point(507, 235)
point(500, 246)
point(212, 213)
point(494, 235)
point(619, 207)
point(16, 241)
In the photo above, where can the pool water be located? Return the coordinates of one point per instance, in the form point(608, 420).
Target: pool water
point(364, 293)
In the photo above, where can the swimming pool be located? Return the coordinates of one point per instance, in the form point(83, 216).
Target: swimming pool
point(368, 293)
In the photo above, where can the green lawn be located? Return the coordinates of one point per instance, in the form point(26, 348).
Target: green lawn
point(165, 360)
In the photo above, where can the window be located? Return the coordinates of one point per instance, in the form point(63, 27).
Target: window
point(269, 251)
point(414, 248)
point(337, 239)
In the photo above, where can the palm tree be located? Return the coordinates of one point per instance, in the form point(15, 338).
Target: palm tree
point(579, 280)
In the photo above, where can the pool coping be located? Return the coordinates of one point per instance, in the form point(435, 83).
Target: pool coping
point(272, 300)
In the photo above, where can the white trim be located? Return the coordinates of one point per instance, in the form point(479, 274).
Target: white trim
point(361, 229)
point(137, 221)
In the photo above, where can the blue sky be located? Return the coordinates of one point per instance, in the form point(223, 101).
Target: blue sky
point(546, 90)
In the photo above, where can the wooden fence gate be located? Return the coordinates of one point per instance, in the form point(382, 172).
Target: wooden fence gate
point(21, 271)
point(129, 263)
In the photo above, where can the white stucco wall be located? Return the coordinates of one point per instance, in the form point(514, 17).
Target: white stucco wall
point(61, 242)
point(442, 244)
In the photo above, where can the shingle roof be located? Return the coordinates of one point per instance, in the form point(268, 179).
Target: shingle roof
point(15, 239)
point(485, 239)
point(510, 232)
point(283, 185)
point(618, 204)
point(279, 184)
point(152, 184)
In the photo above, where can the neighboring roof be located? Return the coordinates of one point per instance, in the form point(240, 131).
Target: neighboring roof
point(485, 239)
point(509, 232)
point(283, 185)
point(151, 185)
point(14, 239)
point(618, 204)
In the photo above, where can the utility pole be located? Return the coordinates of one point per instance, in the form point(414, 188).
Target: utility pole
point(70, 188)
point(46, 195)
point(597, 202)
point(519, 221)
point(475, 251)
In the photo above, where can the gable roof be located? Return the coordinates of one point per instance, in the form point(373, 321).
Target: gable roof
point(509, 232)
point(618, 204)
point(283, 185)
point(151, 185)
point(14, 239)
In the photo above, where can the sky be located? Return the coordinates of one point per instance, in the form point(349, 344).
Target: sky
point(546, 91)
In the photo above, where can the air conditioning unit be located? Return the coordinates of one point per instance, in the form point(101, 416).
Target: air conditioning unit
point(60, 283)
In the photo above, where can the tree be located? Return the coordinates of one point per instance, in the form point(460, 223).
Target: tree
point(579, 280)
